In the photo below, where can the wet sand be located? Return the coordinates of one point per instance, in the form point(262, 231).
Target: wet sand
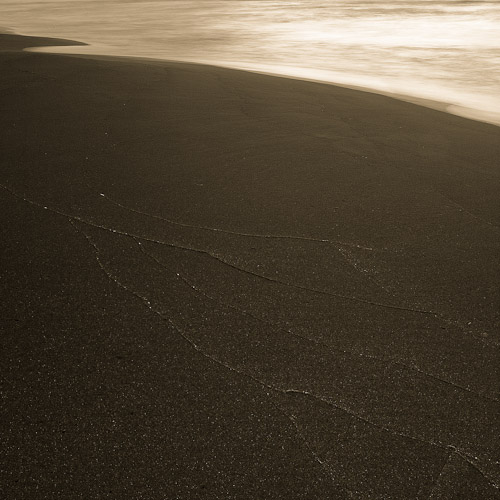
point(219, 284)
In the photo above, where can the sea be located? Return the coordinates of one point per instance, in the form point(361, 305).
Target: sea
point(444, 51)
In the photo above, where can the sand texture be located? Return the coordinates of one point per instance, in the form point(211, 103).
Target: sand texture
point(218, 284)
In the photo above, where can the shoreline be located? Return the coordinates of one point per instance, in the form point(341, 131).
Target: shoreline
point(446, 107)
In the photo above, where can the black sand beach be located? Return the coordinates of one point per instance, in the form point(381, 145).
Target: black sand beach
point(218, 284)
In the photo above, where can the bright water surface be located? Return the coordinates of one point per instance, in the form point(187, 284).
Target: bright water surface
point(444, 50)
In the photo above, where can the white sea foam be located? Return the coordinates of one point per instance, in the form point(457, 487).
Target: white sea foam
point(441, 50)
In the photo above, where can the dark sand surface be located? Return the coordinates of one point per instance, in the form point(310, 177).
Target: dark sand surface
point(217, 284)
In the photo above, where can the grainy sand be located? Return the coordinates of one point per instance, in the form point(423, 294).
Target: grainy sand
point(219, 284)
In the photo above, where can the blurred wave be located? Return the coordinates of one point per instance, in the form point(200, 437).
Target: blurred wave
point(442, 50)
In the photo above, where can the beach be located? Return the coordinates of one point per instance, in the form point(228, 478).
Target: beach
point(222, 284)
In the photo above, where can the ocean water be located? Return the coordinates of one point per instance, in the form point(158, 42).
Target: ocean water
point(442, 50)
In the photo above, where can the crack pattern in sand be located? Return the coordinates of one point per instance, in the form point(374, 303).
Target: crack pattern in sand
point(468, 456)
point(224, 262)
point(482, 461)
point(222, 259)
